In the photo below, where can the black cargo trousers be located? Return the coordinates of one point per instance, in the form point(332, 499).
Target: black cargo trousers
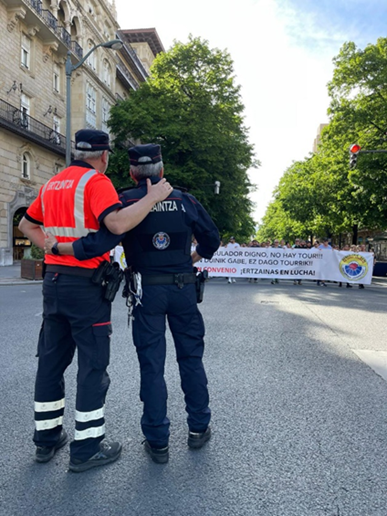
point(75, 316)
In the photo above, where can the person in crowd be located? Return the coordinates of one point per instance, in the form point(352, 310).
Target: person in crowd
point(232, 244)
point(298, 244)
point(276, 245)
point(324, 246)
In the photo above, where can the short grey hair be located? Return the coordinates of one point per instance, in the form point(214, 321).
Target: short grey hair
point(146, 170)
point(86, 155)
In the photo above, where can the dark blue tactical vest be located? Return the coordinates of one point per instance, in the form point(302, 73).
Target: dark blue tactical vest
point(162, 240)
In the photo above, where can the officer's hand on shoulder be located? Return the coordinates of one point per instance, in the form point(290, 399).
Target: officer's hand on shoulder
point(160, 190)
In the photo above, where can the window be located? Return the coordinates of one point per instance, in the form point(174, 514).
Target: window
point(91, 101)
point(106, 73)
point(56, 79)
point(92, 59)
point(25, 51)
point(26, 166)
point(55, 137)
point(91, 96)
point(25, 110)
point(105, 115)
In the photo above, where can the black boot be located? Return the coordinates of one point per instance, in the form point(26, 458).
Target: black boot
point(197, 440)
point(158, 455)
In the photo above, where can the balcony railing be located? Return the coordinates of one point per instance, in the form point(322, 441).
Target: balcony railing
point(37, 5)
point(77, 49)
point(22, 124)
point(50, 20)
point(127, 75)
point(64, 35)
point(133, 56)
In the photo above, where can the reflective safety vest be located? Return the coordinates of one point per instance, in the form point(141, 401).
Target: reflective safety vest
point(72, 218)
point(71, 203)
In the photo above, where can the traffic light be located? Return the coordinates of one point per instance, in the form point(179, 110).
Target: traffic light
point(353, 154)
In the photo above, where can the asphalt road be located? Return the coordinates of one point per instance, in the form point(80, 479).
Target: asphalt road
point(299, 421)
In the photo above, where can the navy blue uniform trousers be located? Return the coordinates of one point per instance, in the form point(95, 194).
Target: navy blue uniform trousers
point(75, 316)
point(186, 324)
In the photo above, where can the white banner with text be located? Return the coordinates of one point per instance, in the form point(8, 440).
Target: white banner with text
point(294, 264)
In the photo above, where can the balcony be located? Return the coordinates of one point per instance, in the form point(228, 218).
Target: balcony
point(14, 120)
point(47, 24)
point(131, 57)
point(77, 49)
point(49, 19)
point(64, 36)
point(124, 75)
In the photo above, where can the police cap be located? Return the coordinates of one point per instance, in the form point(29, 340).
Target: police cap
point(145, 154)
point(91, 140)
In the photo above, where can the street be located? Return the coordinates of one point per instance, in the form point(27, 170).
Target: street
point(299, 420)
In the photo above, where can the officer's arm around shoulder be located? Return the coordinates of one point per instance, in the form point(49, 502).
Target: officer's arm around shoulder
point(203, 227)
point(121, 221)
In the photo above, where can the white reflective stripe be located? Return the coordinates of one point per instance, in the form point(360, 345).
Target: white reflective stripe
point(90, 432)
point(47, 424)
point(79, 199)
point(41, 197)
point(70, 232)
point(84, 417)
point(79, 213)
point(48, 406)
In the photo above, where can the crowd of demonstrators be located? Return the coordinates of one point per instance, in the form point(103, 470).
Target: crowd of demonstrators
point(299, 243)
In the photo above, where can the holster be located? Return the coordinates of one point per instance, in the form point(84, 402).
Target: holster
point(201, 278)
point(109, 275)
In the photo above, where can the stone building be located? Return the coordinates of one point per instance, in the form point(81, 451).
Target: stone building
point(36, 37)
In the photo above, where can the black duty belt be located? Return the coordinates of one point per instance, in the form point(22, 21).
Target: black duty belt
point(73, 271)
point(169, 279)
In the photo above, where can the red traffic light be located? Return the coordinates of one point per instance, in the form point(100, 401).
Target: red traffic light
point(355, 148)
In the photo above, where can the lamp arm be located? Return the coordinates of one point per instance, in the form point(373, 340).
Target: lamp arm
point(70, 68)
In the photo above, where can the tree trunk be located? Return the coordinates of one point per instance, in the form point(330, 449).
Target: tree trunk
point(354, 234)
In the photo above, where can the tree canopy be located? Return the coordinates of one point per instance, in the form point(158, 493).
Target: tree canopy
point(191, 106)
point(322, 195)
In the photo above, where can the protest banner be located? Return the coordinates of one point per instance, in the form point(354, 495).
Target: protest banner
point(294, 264)
point(277, 263)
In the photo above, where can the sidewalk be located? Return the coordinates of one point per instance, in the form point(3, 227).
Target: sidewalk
point(10, 275)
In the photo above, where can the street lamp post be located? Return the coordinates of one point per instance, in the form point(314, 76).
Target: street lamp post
point(115, 44)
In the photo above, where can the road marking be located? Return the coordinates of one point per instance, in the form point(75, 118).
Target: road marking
point(376, 360)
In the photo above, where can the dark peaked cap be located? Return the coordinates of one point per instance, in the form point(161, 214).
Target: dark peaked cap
point(145, 154)
point(90, 140)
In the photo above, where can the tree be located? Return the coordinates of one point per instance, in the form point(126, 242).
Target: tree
point(321, 193)
point(191, 107)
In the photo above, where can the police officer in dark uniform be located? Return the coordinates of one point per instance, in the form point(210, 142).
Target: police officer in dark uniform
point(158, 250)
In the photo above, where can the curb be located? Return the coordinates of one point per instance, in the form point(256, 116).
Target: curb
point(16, 281)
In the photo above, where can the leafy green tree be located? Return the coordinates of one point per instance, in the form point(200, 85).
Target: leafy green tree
point(191, 106)
point(321, 193)
point(359, 114)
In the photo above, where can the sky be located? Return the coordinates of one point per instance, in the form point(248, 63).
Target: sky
point(282, 52)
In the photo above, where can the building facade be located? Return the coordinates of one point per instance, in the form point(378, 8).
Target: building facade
point(36, 37)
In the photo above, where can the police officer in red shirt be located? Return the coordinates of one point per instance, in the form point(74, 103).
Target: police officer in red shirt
point(159, 249)
point(76, 315)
